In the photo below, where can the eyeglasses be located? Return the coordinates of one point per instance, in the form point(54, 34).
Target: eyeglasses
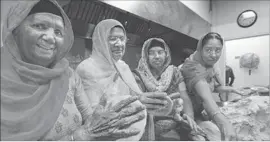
point(154, 53)
point(116, 38)
point(210, 52)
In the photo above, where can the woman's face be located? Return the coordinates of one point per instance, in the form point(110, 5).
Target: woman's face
point(156, 57)
point(211, 51)
point(39, 38)
point(117, 43)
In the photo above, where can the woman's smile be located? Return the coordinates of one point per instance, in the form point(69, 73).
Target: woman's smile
point(44, 51)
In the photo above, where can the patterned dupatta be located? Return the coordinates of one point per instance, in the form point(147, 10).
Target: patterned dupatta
point(150, 82)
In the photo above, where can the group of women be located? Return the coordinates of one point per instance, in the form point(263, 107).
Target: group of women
point(42, 98)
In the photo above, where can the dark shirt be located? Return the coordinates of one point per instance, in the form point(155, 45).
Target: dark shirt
point(229, 74)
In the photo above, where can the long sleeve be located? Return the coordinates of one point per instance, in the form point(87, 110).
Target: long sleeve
point(81, 100)
point(90, 80)
point(139, 81)
point(232, 77)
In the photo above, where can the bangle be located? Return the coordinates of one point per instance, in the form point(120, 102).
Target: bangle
point(217, 112)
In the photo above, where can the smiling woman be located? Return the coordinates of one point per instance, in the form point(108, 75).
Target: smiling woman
point(106, 78)
point(41, 97)
point(31, 75)
point(117, 42)
point(40, 37)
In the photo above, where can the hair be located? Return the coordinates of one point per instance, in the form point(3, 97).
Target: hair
point(155, 43)
point(118, 26)
point(211, 35)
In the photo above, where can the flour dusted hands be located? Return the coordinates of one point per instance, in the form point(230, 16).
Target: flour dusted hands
point(113, 123)
point(227, 132)
point(157, 103)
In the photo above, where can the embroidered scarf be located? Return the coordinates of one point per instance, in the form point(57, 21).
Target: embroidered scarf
point(150, 82)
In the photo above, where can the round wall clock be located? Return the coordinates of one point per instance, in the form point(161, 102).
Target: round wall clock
point(247, 18)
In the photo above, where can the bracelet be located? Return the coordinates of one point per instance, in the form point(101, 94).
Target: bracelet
point(217, 112)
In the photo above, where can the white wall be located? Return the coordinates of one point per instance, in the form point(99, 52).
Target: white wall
point(200, 7)
point(258, 45)
point(224, 15)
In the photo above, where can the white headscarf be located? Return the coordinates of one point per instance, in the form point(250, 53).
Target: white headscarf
point(102, 75)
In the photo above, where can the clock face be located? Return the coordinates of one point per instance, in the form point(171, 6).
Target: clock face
point(247, 18)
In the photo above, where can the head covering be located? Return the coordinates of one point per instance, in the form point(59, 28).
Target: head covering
point(102, 60)
point(100, 71)
point(194, 68)
point(101, 49)
point(197, 56)
point(151, 83)
point(45, 6)
point(155, 43)
point(32, 96)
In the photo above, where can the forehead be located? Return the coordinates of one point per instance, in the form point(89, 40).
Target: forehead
point(46, 18)
point(117, 31)
point(155, 48)
point(213, 43)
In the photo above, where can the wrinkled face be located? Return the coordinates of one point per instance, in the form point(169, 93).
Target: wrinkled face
point(117, 43)
point(39, 38)
point(156, 57)
point(211, 51)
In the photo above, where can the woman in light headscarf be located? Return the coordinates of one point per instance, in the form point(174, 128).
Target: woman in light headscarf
point(155, 74)
point(41, 97)
point(202, 78)
point(108, 79)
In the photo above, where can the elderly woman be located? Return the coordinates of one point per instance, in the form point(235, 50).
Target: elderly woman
point(106, 76)
point(41, 97)
point(202, 78)
point(155, 74)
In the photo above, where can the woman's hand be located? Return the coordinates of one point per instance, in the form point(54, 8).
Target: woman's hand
point(227, 132)
point(113, 124)
point(233, 90)
point(197, 137)
point(175, 95)
point(178, 108)
point(187, 120)
point(196, 132)
point(157, 103)
point(230, 89)
point(193, 125)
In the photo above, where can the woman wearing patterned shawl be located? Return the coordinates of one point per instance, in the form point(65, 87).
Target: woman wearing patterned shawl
point(202, 78)
point(41, 97)
point(155, 74)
